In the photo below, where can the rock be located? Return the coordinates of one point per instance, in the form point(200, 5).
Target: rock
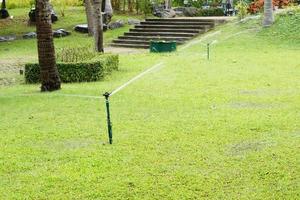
point(190, 11)
point(106, 18)
point(32, 19)
point(7, 38)
point(117, 24)
point(3, 13)
point(179, 11)
point(54, 17)
point(30, 35)
point(158, 10)
point(134, 21)
point(168, 13)
point(61, 33)
point(83, 28)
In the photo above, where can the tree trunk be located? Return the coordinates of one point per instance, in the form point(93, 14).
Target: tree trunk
point(268, 13)
point(130, 6)
point(108, 8)
point(124, 5)
point(168, 4)
point(98, 25)
point(137, 7)
point(46, 52)
point(89, 16)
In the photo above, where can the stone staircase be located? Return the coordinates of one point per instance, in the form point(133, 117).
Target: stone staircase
point(173, 29)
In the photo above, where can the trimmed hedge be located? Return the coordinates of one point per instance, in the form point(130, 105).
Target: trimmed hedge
point(93, 70)
point(211, 12)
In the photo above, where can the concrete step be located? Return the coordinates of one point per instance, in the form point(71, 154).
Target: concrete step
point(140, 46)
point(147, 42)
point(180, 20)
point(160, 34)
point(169, 26)
point(166, 38)
point(153, 30)
point(178, 29)
point(176, 23)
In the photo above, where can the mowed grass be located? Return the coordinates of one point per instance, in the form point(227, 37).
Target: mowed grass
point(227, 128)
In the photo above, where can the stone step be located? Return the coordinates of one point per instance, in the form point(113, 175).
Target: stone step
point(123, 41)
point(169, 26)
point(133, 41)
point(180, 20)
point(160, 34)
point(141, 46)
point(152, 30)
point(176, 23)
point(178, 29)
point(148, 38)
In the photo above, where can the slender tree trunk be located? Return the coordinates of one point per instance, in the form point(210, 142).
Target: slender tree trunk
point(130, 6)
point(46, 52)
point(98, 25)
point(89, 16)
point(168, 4)
point(116, 4)
point(268, 13)
point(124, 5)
point(137, 7)
point(108, 7)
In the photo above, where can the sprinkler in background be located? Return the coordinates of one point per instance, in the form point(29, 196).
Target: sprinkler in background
point(3, 12)
point(208, 49)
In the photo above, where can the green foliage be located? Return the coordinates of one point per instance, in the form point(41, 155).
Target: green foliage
point(210, 12)
point(242, 7)
point(82, 71)
point(27, 3)
point(286, 29)
point(75, 54)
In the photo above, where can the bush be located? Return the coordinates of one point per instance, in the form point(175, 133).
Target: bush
point(258, 5)
point(75, 54)
point(93, 70)
point(211, 12)
point(242, 7)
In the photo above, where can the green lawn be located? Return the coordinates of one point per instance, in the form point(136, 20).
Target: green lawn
point(227, 128)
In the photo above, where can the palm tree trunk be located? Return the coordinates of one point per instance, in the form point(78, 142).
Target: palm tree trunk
point(46, 52)
point(268, 13)
point(89, 16)
point(98, 25)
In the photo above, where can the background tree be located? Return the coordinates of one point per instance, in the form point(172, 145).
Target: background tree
point(268, 13)
point(168, 4)
point(46, 52)
point(89, 16)
point(98, 25)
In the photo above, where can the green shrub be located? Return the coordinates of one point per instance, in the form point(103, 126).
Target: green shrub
point(211, 12)
point(92, 70)
point(242, 7)
point(75, 54)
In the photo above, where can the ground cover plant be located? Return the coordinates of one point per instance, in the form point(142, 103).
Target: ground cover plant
point(224, 128)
